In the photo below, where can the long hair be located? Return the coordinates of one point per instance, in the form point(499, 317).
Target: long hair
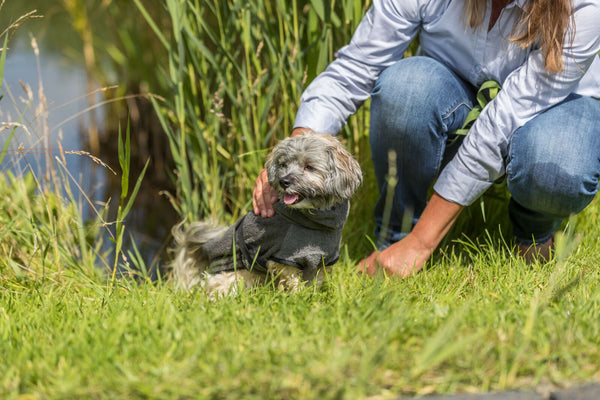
point(543, 20)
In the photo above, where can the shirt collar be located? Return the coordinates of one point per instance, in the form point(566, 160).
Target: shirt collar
point(519, 3)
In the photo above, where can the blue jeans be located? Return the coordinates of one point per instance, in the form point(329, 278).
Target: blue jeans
point(553, 163)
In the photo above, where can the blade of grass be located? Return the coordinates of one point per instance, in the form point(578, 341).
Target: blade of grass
point(124, 153)
point(152, 24)
point(2, 61)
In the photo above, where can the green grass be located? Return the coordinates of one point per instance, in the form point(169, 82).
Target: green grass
point(235, 72)
point(478, 320)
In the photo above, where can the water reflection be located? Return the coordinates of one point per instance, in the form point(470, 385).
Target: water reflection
point(62, 88)
point(47, 94)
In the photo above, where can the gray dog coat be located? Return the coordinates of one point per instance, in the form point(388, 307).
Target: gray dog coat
point(305, 239)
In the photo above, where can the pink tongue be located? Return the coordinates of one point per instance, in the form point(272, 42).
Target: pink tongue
point(290, 198)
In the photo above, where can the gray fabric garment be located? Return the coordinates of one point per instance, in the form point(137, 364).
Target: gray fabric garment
point(306, 239)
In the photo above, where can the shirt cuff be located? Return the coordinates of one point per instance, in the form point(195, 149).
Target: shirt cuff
point(458, 187)
point(318, 118)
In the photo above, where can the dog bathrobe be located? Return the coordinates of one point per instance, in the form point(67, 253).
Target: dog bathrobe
point(305, 239)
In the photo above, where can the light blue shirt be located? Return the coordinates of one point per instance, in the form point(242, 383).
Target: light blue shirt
point(527, 89)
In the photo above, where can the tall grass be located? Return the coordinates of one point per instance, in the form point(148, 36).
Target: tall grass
point(236, 71)
point(44, 234)
point(40, 234)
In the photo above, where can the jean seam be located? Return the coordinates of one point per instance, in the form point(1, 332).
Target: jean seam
point(508, 161)
point(453, 109)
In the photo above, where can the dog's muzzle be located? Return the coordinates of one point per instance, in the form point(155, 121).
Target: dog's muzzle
point(289, 198)
point(287, 181)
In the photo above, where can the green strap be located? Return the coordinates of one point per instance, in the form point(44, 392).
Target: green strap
point(485, 94)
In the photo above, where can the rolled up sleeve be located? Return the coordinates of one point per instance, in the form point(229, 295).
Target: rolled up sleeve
point(380, 39)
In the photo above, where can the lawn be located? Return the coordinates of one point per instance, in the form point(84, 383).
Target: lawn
point(477, 320)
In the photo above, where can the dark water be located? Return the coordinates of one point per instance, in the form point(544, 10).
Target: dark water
point(64, 85)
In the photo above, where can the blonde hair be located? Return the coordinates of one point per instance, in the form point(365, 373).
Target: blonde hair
point(543, 20)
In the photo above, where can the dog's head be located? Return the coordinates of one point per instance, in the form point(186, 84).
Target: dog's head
point(313, 171)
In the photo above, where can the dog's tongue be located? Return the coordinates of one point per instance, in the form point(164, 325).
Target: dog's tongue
point(290, 198)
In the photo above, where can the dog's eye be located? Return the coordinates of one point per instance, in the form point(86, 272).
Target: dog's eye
point(282, 165)
point(309, 168)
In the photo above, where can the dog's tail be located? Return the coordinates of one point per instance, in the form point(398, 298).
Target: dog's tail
point(190, 262)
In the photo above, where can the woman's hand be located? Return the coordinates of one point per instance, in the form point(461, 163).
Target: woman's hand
point(402, 259)
point(263, 196)
point(409, 255)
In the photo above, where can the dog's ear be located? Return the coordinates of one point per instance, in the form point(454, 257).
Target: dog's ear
point(270, 165)
point(347, 175)
point(269, 161)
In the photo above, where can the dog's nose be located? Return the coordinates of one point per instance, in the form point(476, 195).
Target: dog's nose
point(286, 181)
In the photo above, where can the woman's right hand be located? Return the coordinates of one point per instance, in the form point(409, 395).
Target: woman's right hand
point(263, 196)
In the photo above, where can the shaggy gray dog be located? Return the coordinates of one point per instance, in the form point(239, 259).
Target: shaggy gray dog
point(315, 177)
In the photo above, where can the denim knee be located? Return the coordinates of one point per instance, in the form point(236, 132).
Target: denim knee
point(551, 189)
point(543, 195)
point(553, 167)
point(554, 161)
point(414, 93)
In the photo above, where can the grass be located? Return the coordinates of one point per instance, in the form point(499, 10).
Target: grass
point(235, 72)
point(477, 320)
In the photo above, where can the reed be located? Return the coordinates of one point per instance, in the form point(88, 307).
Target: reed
point(236, 70)
point(44, 233)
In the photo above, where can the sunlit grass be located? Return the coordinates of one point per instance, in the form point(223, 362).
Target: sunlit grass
point(478, 321)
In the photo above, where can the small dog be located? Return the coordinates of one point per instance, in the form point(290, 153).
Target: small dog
point(315, 177)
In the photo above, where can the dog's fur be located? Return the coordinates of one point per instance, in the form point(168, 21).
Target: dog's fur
point(312, 173)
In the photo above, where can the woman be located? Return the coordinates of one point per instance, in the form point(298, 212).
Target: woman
point(542, 130)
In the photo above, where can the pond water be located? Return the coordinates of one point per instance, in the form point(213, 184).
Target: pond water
point(63, 82)
point(62, 86)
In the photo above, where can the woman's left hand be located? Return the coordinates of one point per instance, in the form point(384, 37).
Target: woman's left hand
point(409, 255)
point(402, 259)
